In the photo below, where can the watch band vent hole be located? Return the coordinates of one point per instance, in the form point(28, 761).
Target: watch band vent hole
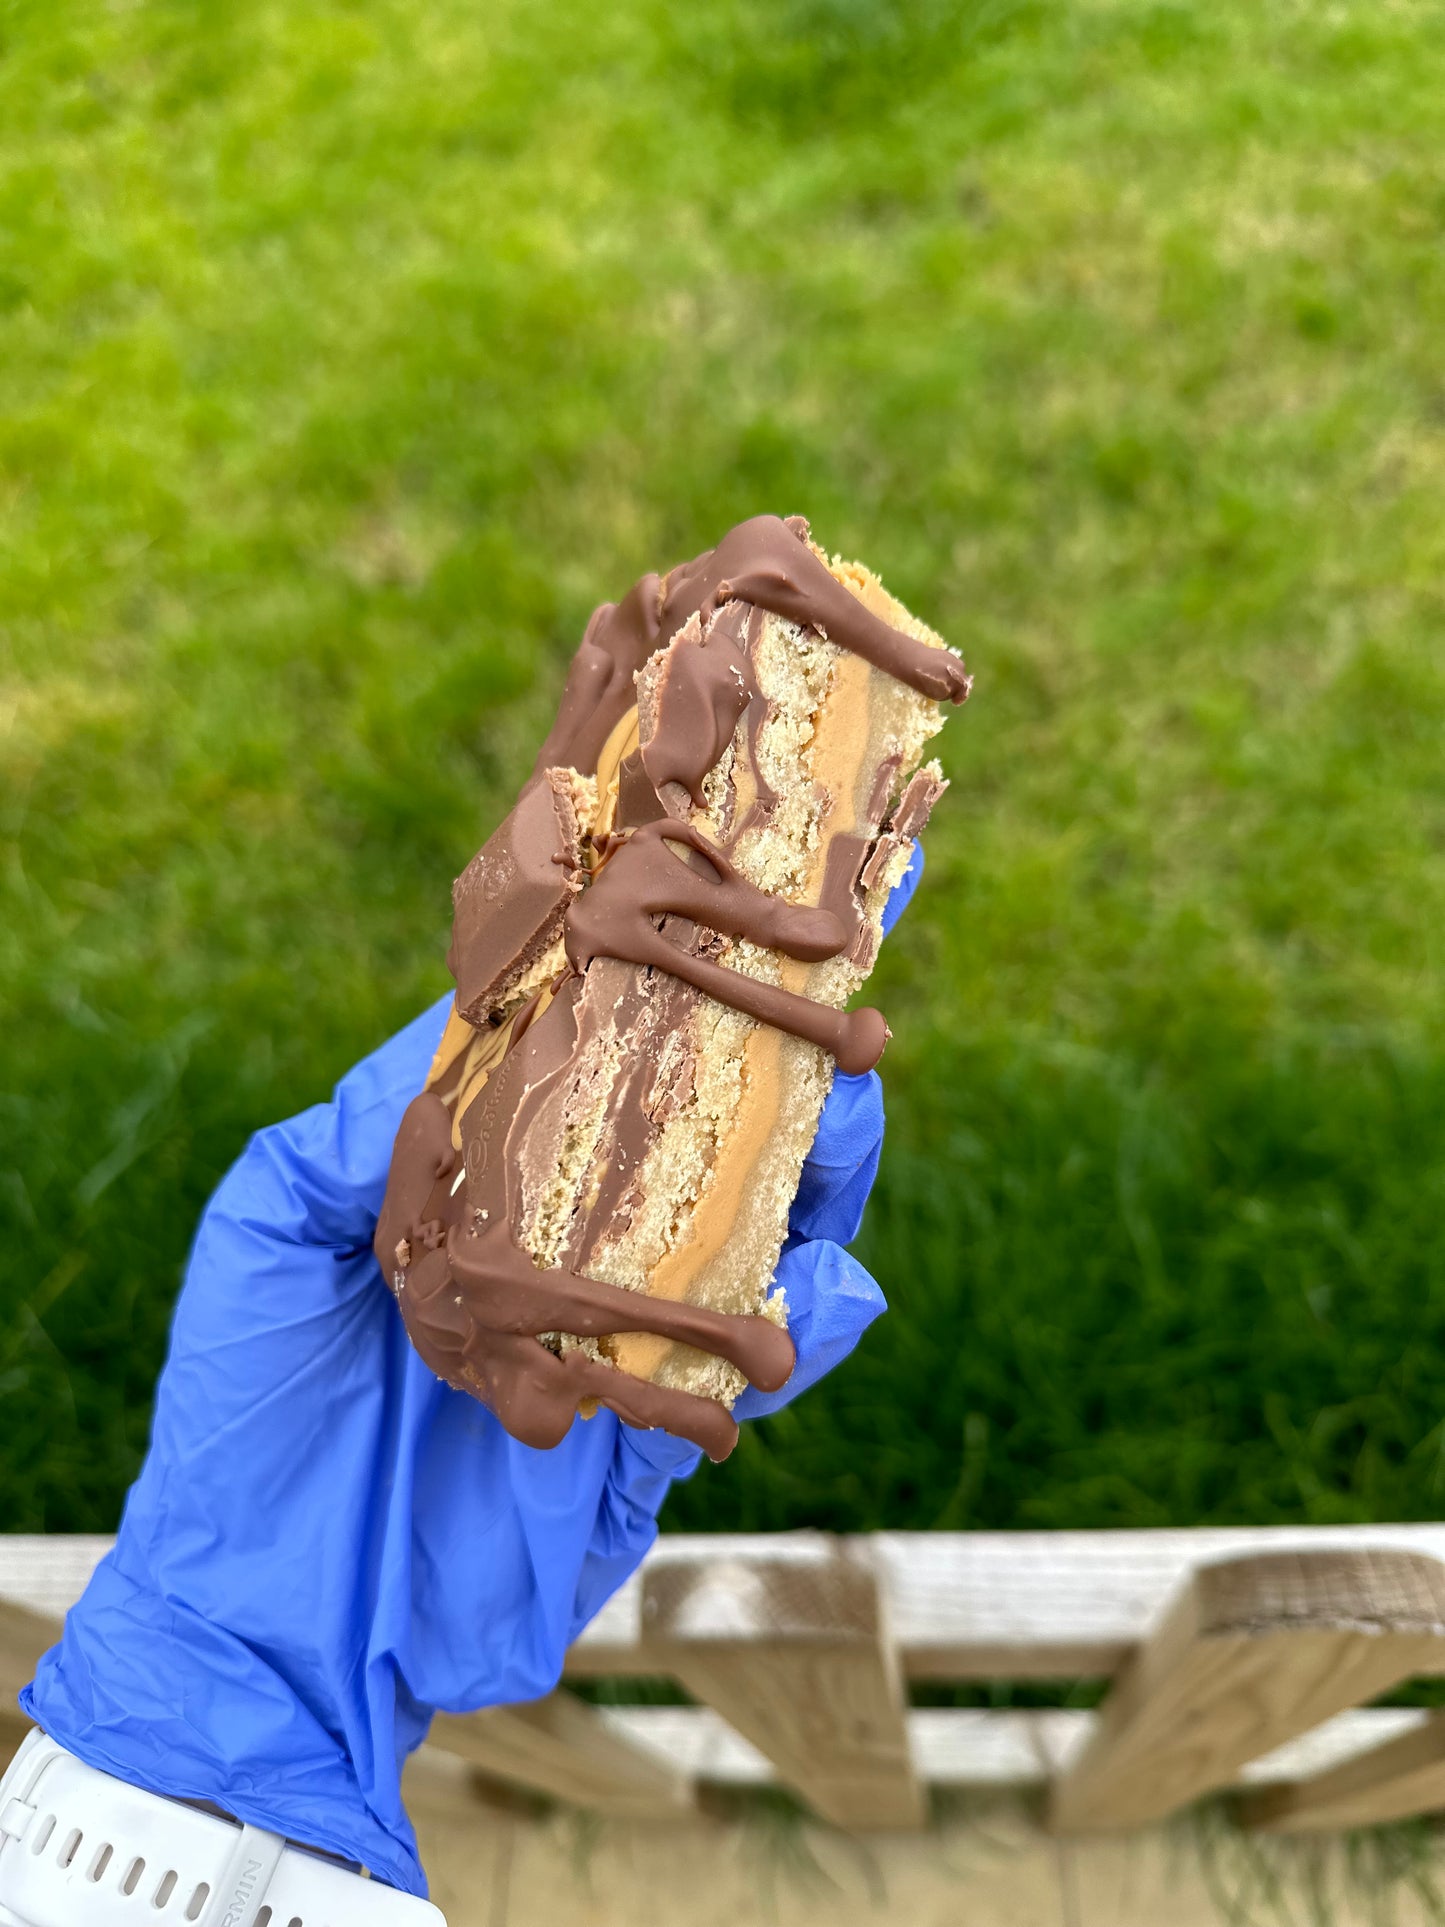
point(198, 1900)
point(101, 1861)
point(43, 1833)
point(132, 1876)
point(165, 1889)
point(69, 1847)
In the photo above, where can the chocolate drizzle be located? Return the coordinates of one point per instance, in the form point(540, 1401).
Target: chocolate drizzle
point(657, 894)
point(476, 1305)
point(619, 638)
point(707, 686)
point(771, 564)
point(644, 879)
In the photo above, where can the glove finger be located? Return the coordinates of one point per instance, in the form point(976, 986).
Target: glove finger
point(838, 1172)
point(902, 893)
point(832, 1301)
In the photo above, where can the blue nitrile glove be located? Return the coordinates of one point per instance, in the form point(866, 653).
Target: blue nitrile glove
point(326, 1543)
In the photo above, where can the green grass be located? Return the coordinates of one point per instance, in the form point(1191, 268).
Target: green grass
point(349, 353)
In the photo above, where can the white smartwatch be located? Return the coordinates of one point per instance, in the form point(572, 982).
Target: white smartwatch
point(79, 1848)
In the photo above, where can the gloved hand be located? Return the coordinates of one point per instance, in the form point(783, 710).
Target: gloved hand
point(326, 1543)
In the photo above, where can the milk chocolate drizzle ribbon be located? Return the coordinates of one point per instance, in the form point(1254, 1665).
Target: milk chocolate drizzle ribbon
point(644, 880)
point(477, 1304)
point(769, 562)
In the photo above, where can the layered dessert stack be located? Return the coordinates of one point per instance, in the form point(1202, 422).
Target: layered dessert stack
point(653, 955)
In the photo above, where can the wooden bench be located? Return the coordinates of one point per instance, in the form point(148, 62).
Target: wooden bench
point(1235, 1659)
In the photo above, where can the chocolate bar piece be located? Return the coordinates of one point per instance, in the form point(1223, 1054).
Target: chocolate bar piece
point(510, 901)
point(653, 959)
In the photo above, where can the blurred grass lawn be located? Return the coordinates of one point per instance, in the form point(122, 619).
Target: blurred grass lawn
point(349, 353)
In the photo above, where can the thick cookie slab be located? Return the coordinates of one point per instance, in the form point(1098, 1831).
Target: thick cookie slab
point(653, 957)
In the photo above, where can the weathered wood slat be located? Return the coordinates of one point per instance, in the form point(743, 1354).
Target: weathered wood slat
point(953, 1747)
point(1396, 1780)
point(49, 1571)
point(440, 1784)
point(1252, 1652)
point(999, 1605)
point(561, 1746)
point(960, 1606)
point(977, 1605)
point(795, 1656)
point(950, 1748)
point(24, 1636)
point(13, 1728)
